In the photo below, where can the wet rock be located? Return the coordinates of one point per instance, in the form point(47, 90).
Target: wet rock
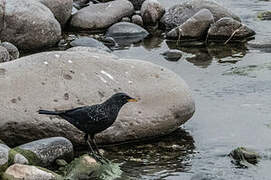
point(21, 172)
point(179, 13)
point(229, 29)
point(243, 156)
point(12, 50)
point(124, 32)
point(92, 50)
point(89, 42)
point(162, 108)
point(45, 151)
point(194, 28)
point(4, 55)
point(102, 15)
point(264, 15)
point(137, 19)
point(172, 55)
point(263, 44)
point(4, 149)
point(137, 3)
point(61, 9)
point(151, 12)
point(29, 24)
point(126, 19)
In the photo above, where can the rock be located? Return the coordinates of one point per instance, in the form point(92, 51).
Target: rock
point(21, 172)
point(45, 151)
point(4, 149)
point(15, 157)
point(101, 15)
point(61, 162)
point(4, 55)
point(126, 19)
point(151, 12)
point(137, 19)
point(126, 33)
point(28, 24)
point(63, 79)
point(263, 44)
point(62, 9)
point(137, 3)
point(194, 28)
point(89, 42)
point(92, 50)
point(228, 28)
point(172, 55)
point(243, 156)
point(12, 50)
point(179, 13)
point(264, 15)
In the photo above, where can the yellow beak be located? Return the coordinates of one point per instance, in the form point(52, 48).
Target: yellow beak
point(132, 100)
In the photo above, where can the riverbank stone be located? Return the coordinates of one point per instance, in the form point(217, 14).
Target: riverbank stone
point(101, 15)
point(89, 42)
point(243, 155)
point(45, 151)
point(60, 80)
point(151, 12)
point(4, 55)
point(4, 149)
point(12, 50)
point(178, 14)
point(28, 24)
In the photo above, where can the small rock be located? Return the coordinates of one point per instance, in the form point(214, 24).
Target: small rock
point(151, 12)
point(45, 151)
point(12, 50)
point(172, 55)
point(126, 19)
point(89, 42)
point(137, 19)
point(61, 162)
point(194, 28)
point(26, 172)
point(264, 15)
point(20, 159)
point(4, 55)
point(4, 149)
point(243, 155)
point(229, 29)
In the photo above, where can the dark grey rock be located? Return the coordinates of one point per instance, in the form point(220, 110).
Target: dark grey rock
point(126, 19)
point(89, 42)
point(12, 50)
point(137, 19)
point(47, 150)
point(228, 28)
point(101, 15)
point(172, 55)
point(194, 28)
point(151, 12)
point(4, 55)
point(179, 13)
point(28, 24)
point(124, 32)
point(137, 3)
point(244, 155)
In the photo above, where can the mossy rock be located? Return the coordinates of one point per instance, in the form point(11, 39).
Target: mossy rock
point(3, 168)
point(264, 15)
point(32, 157)
point(12, 158)
point(243, 156)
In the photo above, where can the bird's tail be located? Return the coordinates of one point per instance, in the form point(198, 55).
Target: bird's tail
point(48, 112)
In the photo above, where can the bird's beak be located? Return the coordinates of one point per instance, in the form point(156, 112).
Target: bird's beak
point(132, 100)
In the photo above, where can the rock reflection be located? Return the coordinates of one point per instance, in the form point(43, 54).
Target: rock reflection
point(159, 157)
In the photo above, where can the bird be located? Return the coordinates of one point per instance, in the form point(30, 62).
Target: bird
point(93, 119)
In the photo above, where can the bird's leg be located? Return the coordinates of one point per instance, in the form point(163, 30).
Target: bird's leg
point(91, 149)
point(97, 149)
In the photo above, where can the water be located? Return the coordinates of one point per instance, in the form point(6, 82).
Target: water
point(231, 86)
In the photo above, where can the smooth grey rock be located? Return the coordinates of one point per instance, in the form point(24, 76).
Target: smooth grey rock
point(20, 159)
point(194, 28)
point(12, 50)
point(126, 19)
point(137, 3)
point(92, 50)
point(62, 9)
point(4, 149)
point(28, 24)
point(137, 19)
point(4, 55)
point(101, 15)
point(62, 80)
point(151, 12)
point(172, 55)
point(89, 42)
point(124, 32)
point(179, 13)
point(26, 172)
point(48, 150)
point(226, 27)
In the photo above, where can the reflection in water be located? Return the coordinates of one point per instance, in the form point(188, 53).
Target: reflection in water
point(157, 158)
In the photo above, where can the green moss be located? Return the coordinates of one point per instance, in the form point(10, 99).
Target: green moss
point(2, 142)
point(8, 177)
point(3, 168)
point(32, 157)
point(11, 155)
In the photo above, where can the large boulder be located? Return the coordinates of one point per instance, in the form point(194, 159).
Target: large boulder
point(151, 12)
point(28, 24)
point(62, 9)
point(101, 15)
point(179, 13)
point(63, 80)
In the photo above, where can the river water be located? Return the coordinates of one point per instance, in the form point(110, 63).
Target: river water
point(231, 86)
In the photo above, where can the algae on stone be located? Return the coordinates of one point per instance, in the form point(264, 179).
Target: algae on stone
point(32, 157)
